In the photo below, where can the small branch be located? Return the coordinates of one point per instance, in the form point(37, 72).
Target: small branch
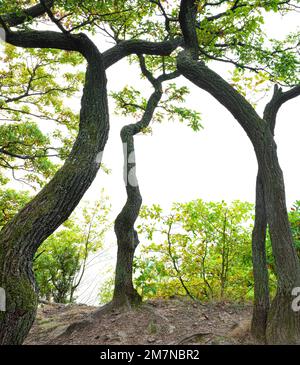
point(175, 263)
point(38, 255)
point(194, 335)
point(168, 19)
point(52, 17)
point(146, 72)
point(24, 157)
point(14, 19)
point(278, 99)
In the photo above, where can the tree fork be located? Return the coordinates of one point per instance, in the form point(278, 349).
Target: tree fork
point(260, 270)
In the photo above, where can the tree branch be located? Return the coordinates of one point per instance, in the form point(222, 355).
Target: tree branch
point(175, 266)
point(278, 99)
point(136, 46)
point(52, 17)
point(208, 80)
point(24, 157)
point(187, 20)
point(14, 19)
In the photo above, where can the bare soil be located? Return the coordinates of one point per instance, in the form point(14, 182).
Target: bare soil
point(158, 322)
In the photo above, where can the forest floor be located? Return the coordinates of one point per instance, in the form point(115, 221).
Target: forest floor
point(158, 322)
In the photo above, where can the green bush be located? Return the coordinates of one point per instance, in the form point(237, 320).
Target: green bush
point(61, 261)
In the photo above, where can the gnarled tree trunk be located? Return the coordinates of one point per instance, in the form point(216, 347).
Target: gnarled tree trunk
point(127, 237)
point(21, 237)
point(260, 271)
point(283, 324)
point(261, 287)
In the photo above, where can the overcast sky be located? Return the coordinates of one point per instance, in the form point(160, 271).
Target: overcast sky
point(177, 164)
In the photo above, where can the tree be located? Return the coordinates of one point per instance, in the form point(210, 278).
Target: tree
point(30, 96)
point(224, 31)
point(62, 259)
point(283, 324)
point(262, 301)
point(199, 249)
point(22, 236)
point(11, 201)
point(127, 236)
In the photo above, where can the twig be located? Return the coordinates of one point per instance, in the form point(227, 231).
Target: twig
point(194, 335)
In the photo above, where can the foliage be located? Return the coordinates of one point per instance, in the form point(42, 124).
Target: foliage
point(210, 243)
point(61, 261)
point(34, 83)
point(11, 201)
point(207, 246)
point(31, 90)
point(171, 107)
point(294, 217)
point(106, 290)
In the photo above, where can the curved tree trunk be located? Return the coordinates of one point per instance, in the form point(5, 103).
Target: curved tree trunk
point(261, 297)
point(20, 239)
point(22, 236)
point(260, 271)
point(283, 324)
point(127, 237)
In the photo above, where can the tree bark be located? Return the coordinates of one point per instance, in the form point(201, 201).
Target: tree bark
point(22, 236)
point(260, 271)
point(283, 324)
point(127, 237)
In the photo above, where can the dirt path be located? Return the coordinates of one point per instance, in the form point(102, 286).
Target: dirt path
point(173, 321)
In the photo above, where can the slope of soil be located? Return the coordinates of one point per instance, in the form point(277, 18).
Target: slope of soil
point(161, 322)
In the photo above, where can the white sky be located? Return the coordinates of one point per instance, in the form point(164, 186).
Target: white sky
point(177, 164)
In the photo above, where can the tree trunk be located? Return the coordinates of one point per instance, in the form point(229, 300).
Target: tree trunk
point(127, 237)
point(124, 292)
point(261, 298)
point(283, 324)
point(260, 270)
point(22, 236)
